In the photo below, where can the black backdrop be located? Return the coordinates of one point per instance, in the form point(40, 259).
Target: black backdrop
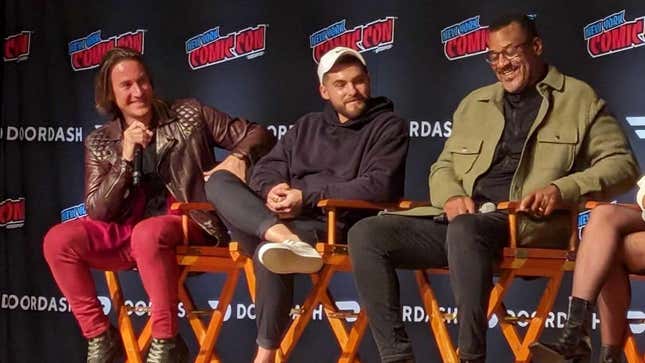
point(47, 109)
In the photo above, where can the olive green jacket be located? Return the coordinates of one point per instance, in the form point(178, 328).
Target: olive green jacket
point(573, 143)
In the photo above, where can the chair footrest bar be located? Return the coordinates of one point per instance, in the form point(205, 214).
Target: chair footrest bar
point(138, 309)
point(343, 314)
point(636, 321)
point(516, 319)
point(202, 312)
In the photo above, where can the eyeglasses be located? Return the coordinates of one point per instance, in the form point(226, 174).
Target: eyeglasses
point(509, 52)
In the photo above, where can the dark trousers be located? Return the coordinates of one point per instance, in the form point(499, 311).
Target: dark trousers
point(469, 245)
point(246, 216)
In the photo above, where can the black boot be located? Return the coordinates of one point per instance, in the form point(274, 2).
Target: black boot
point(574, 343)
point(172, 350)
point(105, 348)
point(611, 354)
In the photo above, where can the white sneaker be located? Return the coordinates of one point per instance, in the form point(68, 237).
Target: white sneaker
point(290, 257)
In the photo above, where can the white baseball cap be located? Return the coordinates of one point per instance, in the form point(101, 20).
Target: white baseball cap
point(330, 58)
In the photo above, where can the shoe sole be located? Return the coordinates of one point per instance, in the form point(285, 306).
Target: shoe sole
point(284, 261)
point(540, 353)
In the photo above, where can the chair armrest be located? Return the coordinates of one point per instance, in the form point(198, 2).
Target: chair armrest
point(409, 204)
point(332, 205)
point(512, 208)
point(362, 204)
point(185, 207)
point(354, 204)
point(593, 204)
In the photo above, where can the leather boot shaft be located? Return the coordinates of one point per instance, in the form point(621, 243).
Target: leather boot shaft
point(171, 350)
point(610, 354)
point(573, 342)
point(105, 348)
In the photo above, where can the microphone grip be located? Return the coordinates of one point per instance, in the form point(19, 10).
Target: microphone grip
point(137, 173)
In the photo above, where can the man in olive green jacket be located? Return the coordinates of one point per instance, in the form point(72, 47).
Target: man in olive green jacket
point(537, 136)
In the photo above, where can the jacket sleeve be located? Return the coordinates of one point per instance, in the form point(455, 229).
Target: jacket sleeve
point(610, 165)
point(641, 193)
point(107, 187)
point(237, 135)
point(382, 171)
point(273, 168)
point(443, 182)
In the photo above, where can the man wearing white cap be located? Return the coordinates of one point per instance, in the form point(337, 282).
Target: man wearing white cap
point(354, 149)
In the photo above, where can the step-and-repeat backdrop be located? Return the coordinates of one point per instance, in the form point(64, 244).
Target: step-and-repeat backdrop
point(257, 59)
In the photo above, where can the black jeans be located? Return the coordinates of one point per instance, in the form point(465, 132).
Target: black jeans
point(469, 245)
point(246, 216)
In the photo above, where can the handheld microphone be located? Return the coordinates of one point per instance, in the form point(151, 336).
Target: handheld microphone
point(487, 207)
point(137, 174)
point(484, 208)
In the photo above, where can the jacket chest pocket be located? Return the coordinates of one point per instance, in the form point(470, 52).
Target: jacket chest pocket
point(555, 149)
point(464, 154)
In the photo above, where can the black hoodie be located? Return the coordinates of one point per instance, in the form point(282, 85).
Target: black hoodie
point(362, 158)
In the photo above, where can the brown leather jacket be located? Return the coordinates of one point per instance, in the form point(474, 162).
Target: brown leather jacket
point(186, 133)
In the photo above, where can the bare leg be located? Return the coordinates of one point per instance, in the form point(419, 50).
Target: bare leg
point(265, 355)
point(614, 298)
point(612, 304)
point(279, 233)
point(601, 243)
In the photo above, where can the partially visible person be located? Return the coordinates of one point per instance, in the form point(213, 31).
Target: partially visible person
point(129, 225)
point(612, 247)
point(354, 149)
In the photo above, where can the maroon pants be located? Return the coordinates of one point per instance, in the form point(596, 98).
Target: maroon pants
point(72, 248)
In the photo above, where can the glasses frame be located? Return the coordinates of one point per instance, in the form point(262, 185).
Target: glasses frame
point(504, 52)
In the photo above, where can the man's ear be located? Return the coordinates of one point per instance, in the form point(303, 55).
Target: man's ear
point(538, 46)
point(323, 92)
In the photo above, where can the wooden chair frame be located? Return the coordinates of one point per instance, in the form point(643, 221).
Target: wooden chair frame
point(630, 348)
point(191, 258)
point(134, 346)
point(335, 259)
point(516, 262)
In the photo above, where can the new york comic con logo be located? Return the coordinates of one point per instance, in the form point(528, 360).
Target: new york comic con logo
point(614, 34)
point(72, 213)
point(377, 35)
point(12, 213)
point(210, 47)
point(16, 47)
point(464, 39)
point(87, 52)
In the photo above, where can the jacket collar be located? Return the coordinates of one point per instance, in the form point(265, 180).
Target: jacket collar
point(163, 112)
point(553, 80)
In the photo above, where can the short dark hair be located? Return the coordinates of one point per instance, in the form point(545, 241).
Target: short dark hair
point(526, 22)
point(103, 93)
point(347, 59)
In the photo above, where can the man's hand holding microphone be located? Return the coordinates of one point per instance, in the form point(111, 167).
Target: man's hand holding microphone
point(136, 137)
